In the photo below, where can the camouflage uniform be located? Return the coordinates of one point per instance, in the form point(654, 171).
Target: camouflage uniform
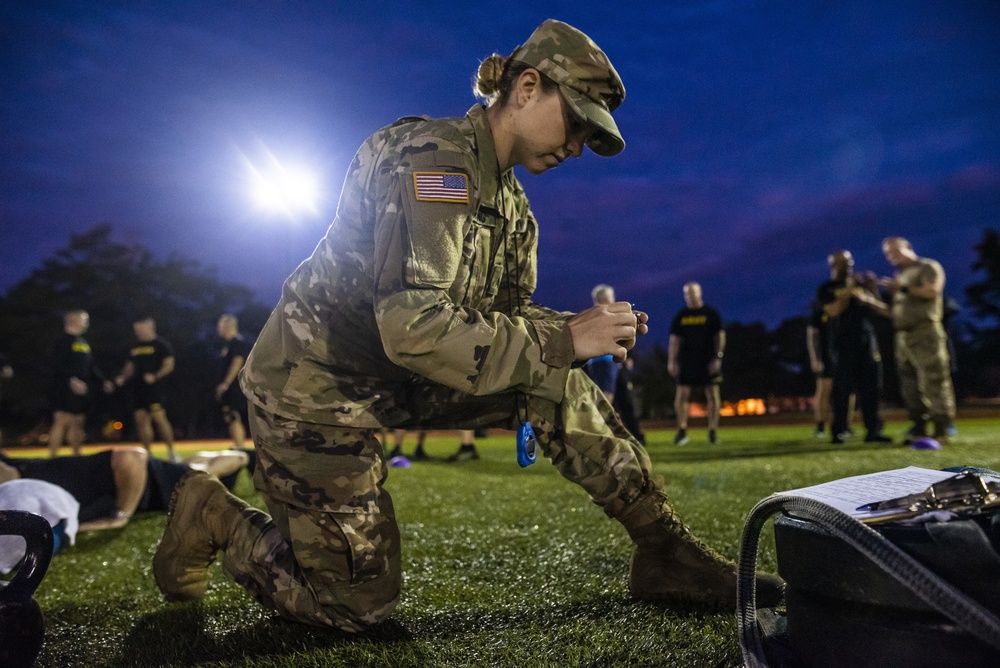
point(922, 358)
point(413, 312)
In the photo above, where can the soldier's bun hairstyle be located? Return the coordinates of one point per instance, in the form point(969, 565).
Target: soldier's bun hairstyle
point(488, 78)
point(496, 77)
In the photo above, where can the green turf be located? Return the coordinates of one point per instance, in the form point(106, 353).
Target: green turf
point(501, 566)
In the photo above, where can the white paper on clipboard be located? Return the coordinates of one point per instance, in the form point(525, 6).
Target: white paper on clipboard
point(849, 495)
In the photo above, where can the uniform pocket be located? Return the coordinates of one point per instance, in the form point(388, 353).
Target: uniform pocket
point(335, 549)
point(329, 482)
point(367, 548)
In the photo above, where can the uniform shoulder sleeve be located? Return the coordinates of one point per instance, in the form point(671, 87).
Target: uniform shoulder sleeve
point(437, 184)
point(931, 271)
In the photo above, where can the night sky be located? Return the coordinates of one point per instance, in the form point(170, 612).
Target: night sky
point(760, 135)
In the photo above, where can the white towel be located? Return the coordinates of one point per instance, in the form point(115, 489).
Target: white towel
point(42, 498)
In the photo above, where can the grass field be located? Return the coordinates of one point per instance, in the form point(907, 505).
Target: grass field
point(501, 566)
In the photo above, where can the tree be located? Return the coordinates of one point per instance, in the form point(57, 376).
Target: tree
point(794, 377)
point(750, 365)
point(984, 296)
point(654, 386)
point(117, 283)
point(980, 355)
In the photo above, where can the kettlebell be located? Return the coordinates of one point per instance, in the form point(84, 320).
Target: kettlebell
point(22, 627)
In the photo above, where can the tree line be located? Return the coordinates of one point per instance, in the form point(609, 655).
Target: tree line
point(117, 282)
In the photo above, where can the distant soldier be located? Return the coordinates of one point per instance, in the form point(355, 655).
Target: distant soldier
point(818, 345)
point(613, 377)
point(74, 377)
point(697, 344)
point(149, 362)
point(922, 358)
point(625, 402)
point(234, 354)
point(821, 362)
point(857, 363)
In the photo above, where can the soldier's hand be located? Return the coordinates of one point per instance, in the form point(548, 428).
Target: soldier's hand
point(77, 386)
point(605, 329)
point(641, 318)
point(640, 329)
point(150, 378)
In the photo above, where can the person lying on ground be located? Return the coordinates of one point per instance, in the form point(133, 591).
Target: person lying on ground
point(114, 484)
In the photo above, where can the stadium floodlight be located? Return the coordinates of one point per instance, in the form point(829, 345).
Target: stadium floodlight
point(281, 188)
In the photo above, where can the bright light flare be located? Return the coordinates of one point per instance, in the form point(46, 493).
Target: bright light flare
point(282, 188)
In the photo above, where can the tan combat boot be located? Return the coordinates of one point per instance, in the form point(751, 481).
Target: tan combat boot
point(201, 519)
point(671, 565)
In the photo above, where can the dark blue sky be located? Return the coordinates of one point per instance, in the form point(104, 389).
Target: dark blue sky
point(761, 135)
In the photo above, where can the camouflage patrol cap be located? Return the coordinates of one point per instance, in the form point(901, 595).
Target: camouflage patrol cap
point(587, 79)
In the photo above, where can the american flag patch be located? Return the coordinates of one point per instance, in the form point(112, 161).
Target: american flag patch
point(441, 186)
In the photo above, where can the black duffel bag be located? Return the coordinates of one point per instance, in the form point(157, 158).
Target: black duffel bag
point(892, 594)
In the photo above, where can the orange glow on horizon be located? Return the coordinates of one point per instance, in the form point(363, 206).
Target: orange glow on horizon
point(752, 406)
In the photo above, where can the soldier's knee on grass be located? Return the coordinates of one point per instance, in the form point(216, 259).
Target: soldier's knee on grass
point(359, 608)
point(351, 564)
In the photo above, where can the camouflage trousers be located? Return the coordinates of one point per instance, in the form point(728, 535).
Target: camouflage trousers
point(924, 369)
point(330, 553)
